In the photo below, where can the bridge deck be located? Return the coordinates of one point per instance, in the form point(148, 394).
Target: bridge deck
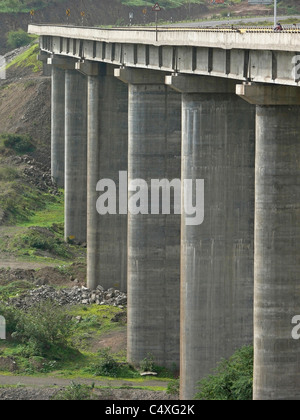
point(252, 54)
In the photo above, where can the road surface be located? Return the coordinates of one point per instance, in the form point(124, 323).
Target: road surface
point(231, 21)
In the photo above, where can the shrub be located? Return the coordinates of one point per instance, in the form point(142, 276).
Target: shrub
point(45, 242)
point(11, 316)
point(43, 327)
point(19, 143)
point(173, 388)
point(107, 366)
point(147, 364)
point(8, 174)
point(75, 392)
point(16, 39)
point(232, 380)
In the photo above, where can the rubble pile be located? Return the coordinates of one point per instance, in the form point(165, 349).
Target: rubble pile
point(74, 296)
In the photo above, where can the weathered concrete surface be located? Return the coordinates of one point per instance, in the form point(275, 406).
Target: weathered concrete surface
point(58, 126)
point(226, 39)
point(277, 253)
point(75, 156)
point(265, 57)
point(269, 94)
point(107, 155)
point(153, 240)
point(217, 256)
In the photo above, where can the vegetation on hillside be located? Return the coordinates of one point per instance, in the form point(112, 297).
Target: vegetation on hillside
point(28, 59)
point(16, 39)
point(24, 6)
point(48, 338)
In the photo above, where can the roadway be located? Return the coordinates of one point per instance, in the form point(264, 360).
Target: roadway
point(232, 21)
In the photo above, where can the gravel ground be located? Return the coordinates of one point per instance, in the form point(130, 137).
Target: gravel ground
point(46, 394)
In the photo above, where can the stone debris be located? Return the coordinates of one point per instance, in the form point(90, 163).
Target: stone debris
point(36, 173)
point(74, 296)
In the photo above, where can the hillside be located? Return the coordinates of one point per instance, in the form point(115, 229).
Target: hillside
point(15, 14)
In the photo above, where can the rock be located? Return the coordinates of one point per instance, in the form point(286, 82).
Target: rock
point(70, 296)
point(148, 374)
point(37, 363)
point(85, 302)
point(8, 363)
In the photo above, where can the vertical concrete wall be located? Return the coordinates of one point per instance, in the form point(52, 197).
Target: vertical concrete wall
point(107, 155)
point(75, 156)
point(277, 253)
point(153, 240)
point(58, 126)
point(217, 256)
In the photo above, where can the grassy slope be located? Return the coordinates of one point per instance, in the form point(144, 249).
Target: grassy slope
point(28, 208)
point(28, 59)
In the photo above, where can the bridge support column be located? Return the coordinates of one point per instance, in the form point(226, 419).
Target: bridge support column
point(58, 126)
point(75, 156)
point(58, 67)
point(277, 240)
point(107, 156)
point(217, 255)
point(153, 239)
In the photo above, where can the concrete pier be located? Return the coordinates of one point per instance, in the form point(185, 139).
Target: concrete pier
point(153, 239)
point(216, 256)
point(75, 156)
point(277, 242)
point(107, 156)
point(58, 126)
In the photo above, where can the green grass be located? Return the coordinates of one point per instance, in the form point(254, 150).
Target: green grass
point(24, 204)
point(53, 212)
point(81, 362)
point(15, 288)
point(27, 59)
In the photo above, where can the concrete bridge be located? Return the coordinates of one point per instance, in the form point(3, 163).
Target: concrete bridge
point(221, 106)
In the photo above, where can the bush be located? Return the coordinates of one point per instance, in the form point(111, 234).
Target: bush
point(107, 366)
point(44, 327)
point(233, 378)
point(16, 39)
point(45, 242)
point(75, 392)
point(173, 388)
point(19, 143)
point(147, 365)
point(11, 316)
point(8, 174)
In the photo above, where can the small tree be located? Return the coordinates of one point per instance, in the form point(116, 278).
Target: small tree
point(16, 39)
point(232, 380)
point(45, 325)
